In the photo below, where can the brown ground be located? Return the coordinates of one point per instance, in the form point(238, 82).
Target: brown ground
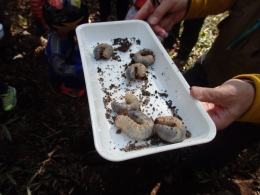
point(52, 149)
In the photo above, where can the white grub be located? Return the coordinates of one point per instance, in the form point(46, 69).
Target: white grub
point(144, 56)
point(170, 129)
point(103, 51)
point(131, 103)
point(136, 71)
point(136, 125)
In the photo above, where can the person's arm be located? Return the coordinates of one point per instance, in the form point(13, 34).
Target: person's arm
point(203, 8)
point(161, 18)
point(170, 12)
point(235, 100)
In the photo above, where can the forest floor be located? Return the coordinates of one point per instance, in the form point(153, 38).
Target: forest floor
point(46, 141)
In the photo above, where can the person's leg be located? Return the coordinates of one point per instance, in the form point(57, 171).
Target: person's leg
point(73, 86)
point(69, 82)
point(121, 9)
point(224, 148)
point(7, 38)
point(3, 87)
point(39, 28)
point(228, 142)
point(104, 9)
point(188, 39)
point(189, 36)
point(172, 37)
point(75, 82)
point(7, 49)
point(196, 75)
point(39, 32)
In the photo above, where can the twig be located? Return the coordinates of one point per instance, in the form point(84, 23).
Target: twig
point(49, 127)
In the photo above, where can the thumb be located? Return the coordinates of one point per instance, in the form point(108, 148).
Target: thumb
point(205, 94)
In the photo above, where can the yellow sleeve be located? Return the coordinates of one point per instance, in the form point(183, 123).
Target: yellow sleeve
point(253, 114)
point(203, 8)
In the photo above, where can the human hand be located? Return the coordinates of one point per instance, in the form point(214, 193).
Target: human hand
point(225, 103)
point(164, 16)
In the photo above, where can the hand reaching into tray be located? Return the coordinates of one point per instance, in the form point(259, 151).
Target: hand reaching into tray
point(226, 103)
point(163, 15)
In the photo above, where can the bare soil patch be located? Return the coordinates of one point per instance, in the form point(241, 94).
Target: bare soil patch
point(52, 149)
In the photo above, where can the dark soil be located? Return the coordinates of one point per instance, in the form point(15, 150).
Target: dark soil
point(52, 149)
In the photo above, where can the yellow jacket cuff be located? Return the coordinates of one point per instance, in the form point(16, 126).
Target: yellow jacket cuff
point(253, 114)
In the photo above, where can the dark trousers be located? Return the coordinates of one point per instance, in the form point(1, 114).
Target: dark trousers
point(39, 28)
point(3, 87)
point(228, 142)
point(105, 9)
point(188, 38)
point(8, 37)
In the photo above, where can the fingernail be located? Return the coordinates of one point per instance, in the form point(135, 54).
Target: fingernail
point(198, 93)
point(153, 20)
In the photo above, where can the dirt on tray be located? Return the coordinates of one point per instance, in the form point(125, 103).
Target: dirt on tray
point(47, 147)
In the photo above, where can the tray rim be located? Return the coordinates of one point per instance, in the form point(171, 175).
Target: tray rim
point(151, 150)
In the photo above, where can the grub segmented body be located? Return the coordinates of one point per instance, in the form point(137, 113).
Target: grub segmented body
point(103, 51)
point(131, 103)
point(170, 129)
point(144, 56)
point(136, 125)
point(136, 71)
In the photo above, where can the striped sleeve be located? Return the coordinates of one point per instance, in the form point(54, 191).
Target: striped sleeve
point(36, 9)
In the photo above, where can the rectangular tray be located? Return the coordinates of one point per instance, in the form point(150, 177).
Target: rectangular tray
point(104, 82)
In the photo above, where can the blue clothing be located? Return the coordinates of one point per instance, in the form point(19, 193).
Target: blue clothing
point(63, 61)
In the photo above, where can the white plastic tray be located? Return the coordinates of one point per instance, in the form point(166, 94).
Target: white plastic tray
point(163, 76)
